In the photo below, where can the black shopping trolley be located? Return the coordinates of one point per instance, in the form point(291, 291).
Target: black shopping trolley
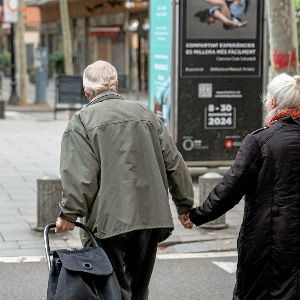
point(80, 274)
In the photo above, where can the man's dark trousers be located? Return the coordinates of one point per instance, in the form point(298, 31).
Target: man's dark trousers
point(132, 256)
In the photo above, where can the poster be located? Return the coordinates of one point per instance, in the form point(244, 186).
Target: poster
point(220, 77)
point(160, 58)
point(10, 11)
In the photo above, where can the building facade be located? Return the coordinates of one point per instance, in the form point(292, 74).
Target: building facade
point(31, 36)
point(112, 30)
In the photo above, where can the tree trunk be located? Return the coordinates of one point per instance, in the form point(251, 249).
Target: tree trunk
point(66, 35)
point(283, 36)
point(22, 63)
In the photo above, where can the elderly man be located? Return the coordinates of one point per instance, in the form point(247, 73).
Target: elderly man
point(117, 163)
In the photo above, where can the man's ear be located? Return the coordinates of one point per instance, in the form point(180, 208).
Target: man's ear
point(117, 86)
point(88, 95)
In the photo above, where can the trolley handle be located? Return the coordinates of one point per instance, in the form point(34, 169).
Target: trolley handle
point(52, 226)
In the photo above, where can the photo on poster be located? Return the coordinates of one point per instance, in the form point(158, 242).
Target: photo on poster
point(221, 19)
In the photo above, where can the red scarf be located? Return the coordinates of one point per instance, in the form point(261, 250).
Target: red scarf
point(285, 112)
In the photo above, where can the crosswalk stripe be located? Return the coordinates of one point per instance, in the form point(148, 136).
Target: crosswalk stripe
point(160, 256)
point(228, 266)
point(22, 259)
point(196, 255)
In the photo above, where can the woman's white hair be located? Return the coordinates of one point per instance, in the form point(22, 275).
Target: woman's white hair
point(100, 76)
point(285, 90)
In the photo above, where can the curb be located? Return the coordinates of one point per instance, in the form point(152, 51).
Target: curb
point(166, 244)
point(30, 108)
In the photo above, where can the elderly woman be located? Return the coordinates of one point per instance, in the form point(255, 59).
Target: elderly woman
point(267, 172)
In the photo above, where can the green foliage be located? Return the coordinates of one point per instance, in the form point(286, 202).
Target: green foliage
point(32, 71)
point(5, 60)
point(297, 4)
point(57, 61)
point(32, 74)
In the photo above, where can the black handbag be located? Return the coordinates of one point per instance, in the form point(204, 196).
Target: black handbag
point(80, 274)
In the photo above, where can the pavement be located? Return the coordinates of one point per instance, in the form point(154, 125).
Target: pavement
point(29, 150)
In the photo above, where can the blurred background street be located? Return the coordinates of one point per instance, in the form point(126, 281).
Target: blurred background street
point(203, 78)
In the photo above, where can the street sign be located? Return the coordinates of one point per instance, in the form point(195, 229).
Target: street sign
point(219, 78)
point(10, 10)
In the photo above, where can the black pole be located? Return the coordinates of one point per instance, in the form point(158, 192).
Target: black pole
point(13, 99)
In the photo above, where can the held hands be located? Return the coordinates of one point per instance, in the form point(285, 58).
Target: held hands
point(185, 221)
point(63, 225)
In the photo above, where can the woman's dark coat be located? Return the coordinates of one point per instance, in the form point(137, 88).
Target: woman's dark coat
point(267, 171)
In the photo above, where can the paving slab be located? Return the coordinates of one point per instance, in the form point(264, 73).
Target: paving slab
point(17, 231)
point(22, 252)
point(30, 244)
point(25, 202)
point(9, 212)
point(8, 245)
point(5, 199)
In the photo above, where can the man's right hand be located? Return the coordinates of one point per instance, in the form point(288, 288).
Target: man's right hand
point(185, 221)
point(63, 225)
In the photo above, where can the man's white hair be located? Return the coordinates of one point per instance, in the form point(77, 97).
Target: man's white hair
point(100, 76)
point(285, 89)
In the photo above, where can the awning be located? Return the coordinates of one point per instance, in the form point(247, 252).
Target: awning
point(105, 31)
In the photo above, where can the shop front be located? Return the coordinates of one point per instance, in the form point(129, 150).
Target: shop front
point(116, 31)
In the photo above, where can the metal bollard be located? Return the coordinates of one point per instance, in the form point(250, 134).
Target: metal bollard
point(206, 183)
point(40, 87)
point(2, 109)
point(49, 190)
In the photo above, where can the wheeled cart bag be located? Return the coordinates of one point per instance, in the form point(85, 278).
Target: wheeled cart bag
point(80, 274)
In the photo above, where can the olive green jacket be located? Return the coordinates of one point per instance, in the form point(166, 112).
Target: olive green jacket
point(117, 163)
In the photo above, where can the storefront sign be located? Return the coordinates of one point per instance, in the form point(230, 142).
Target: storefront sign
point(220, 77)
point(10, 11)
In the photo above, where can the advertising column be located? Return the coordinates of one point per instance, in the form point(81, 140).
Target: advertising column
point(160, 58)
point(219, 77)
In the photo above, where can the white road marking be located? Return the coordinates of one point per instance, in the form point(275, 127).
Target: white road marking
point(22, 259)
point(228, 266)
point(196, 255)
point(31, 259)
point(17, 116)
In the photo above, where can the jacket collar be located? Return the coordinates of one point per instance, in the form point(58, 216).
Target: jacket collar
point(289, 120)
point(106, 95)
point(297, 121)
